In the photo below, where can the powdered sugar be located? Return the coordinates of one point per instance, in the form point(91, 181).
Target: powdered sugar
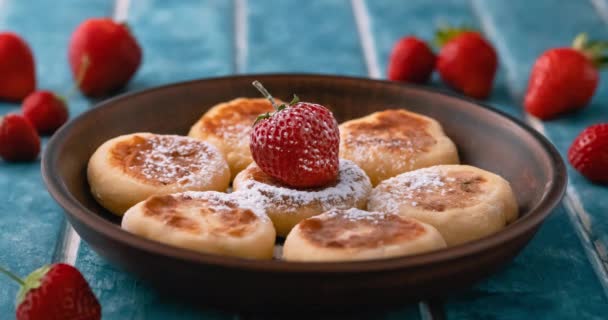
point(352, 186)
point(168, 159)
point(434, 188)
point(355, 214)
point(225, 201)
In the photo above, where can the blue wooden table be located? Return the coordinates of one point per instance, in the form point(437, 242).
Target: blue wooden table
point(562, 274)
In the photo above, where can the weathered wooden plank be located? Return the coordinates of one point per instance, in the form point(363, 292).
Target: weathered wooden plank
point(537, 270)
point(31, 222)
point(297, 36)
point(181, 41)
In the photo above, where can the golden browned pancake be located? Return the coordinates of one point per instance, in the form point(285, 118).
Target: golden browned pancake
point(128, 169)
point(287, 206)
point(210, 222)
point(353, 234)
point(228, 126)
point(463, 202)
point(387, 143)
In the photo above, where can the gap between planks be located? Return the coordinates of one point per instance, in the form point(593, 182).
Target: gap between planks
point(240, 36)
point(578, 216)
point(69, 242)
point(428, 310)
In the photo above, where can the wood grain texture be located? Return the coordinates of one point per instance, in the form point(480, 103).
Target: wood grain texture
point(495, 298)
point(31, 222)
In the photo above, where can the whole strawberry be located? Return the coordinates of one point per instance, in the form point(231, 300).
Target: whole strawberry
point(564, 79)
point(103, 56)
point(58, 291)
point(45, 110)
point(589, 153)
point(411, 61)
point(297, 144)
point(467, 62)
point(17, 71)
point(19, 140)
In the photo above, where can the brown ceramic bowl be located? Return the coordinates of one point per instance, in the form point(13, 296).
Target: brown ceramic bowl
point(485, 138)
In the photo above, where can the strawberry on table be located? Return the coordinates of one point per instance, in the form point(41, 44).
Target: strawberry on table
point(19, 140)
point(45, 110)
point(103, 56)
point(297, 144)
point(411, 61)
point(564, 79)
point(589, 153)
point(57, 291)
point(17, 71)
point(467, 62)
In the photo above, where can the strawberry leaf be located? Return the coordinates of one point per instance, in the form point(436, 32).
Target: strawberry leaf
point(31, 282)
point(295, 100)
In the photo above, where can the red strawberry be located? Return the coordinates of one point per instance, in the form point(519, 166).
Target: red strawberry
point(589, 153)
point(17, 71)
point(411, 61)
point(19, 140)
point(58, 291)
point(45, 110)
point(103, 56)
point(564, 79)
point(298, 144)
point(467, 62)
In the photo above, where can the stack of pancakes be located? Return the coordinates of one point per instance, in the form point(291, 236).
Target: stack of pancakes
point(400, 190)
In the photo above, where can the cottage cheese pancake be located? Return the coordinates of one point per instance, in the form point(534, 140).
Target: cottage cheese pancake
point(228, 126)
point(287, 206)
point(463, 202)
point(353, 234)
point(128, 169)
point(385, 144)
point(209, 222)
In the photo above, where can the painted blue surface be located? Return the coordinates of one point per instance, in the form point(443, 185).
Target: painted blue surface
point(30, 222)
point(316, 37)
point(552, 278)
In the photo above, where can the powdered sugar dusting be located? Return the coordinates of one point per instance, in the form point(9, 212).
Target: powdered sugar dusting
point(168, 159)
point(352, 187)
point(224, 201)
point(355, 214)
point(434, 188)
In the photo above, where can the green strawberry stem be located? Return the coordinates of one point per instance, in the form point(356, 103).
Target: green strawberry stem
point(12, 276)
point(85, 63)
point(594, 50)
point(258, 85)
point(444, 34)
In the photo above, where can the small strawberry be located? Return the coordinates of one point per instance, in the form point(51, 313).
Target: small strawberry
point(19, 140)
point(45, 110)
point(564, 79)
point(589, 153)
point(17, 71)
point(57, 291)
point(103, 56)
point(467, 62)
point(297, 144)
point(411, 61)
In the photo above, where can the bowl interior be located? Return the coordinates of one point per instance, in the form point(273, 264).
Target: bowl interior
point(484, 138)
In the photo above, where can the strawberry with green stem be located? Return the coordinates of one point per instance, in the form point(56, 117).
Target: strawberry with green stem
point(565, 79)
point(467, 62)
point(57, 291)
point(297, 144)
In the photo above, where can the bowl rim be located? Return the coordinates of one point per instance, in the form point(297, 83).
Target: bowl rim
point(73, 209)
